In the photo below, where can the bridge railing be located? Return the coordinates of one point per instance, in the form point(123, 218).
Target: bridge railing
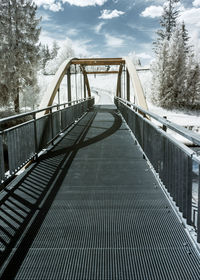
point(21, 143)
point(173, 161)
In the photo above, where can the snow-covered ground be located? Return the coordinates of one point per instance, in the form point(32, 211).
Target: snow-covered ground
point(103, 87)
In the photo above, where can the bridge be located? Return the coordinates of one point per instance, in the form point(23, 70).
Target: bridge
point(94, 191)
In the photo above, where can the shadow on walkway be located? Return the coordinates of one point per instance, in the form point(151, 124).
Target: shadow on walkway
point(24, 204)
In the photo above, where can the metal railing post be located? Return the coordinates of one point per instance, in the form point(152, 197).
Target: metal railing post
point(198, 215)
point(35, 135)
point(51, 121)
point(189, 191)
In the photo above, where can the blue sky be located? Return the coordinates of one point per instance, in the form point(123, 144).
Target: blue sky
point(111, 28)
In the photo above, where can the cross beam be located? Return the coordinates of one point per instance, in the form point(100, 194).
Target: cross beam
point(98, 61)
point(102, 72)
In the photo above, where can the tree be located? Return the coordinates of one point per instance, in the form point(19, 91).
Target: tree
point(45, 56)
point(169, 72)
point(55, 49)
point(177, 74)
point(65, 52)
point(160, 69)
point(20, 35)
point(167, 22)
point(192, 90)
point(186, 38)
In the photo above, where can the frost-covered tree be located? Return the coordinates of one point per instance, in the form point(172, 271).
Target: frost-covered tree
point(186, 38)
point(65, 52)
point(192, 90)
point(177, 74)
point(45, 56)
point(167, 22)
point(169, 72)
point(160, 69)
point(18, 49)
point(55, 49)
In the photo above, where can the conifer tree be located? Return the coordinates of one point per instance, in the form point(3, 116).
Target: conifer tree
point(192, 90)
point(55, 49)
point(186, 38)
point(167, 22)
point(20, 34)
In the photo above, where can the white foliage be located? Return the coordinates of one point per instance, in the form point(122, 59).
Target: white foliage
point(18, 50)
point(65, 52)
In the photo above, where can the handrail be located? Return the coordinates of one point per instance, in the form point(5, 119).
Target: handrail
point(172, 160)
point(18, 116)
point(23, 142)
point(190, 135)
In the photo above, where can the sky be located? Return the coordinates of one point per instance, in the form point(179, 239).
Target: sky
point(111, 28)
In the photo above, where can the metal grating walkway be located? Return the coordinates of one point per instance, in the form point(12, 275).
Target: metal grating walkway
point(92, 209)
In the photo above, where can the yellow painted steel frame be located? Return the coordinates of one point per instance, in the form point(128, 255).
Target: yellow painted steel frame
point(138, 90)
point(53, 87)
point(58, 77)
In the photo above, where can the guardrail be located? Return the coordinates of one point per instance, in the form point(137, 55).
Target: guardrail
point(23, 142)
point(173, 161)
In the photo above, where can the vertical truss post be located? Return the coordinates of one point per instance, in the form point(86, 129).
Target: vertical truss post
point(119, 81)
point(69, 85)
point(84, 82)
point(127, 85)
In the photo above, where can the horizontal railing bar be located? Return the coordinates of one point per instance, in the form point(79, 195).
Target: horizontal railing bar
point(3, 120)
point(183, 147)
point(17, 126)
point(193, 137)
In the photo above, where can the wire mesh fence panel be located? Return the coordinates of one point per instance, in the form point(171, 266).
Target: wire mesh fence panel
point(172, 160)
point(66, 117)
point(44, 131)
point(56, 122)
point(21, 145)
point(153, 146)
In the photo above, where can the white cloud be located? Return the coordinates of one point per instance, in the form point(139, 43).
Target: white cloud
point(51, 5)
point(81, 47)
point(152, 11)
point(85, 3)
point(45, 16)
point(57, 5)
point(192, 22)
point(98, 27)
point(72, 31)
point(144, 55)
point(108, 14)
point(113, 41)
point(191, 17)
point(196, 3)
point(156, 1)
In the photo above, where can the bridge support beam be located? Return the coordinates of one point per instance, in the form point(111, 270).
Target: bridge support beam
point(69, 85)
point(84, 75)
point(119, 88)
point(127, 85)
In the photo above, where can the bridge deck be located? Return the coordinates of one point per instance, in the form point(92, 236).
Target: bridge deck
point(91, 208)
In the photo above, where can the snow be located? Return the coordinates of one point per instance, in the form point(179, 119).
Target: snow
point(103, 88)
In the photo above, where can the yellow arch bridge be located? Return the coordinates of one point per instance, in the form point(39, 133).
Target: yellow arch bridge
point(105, 193)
